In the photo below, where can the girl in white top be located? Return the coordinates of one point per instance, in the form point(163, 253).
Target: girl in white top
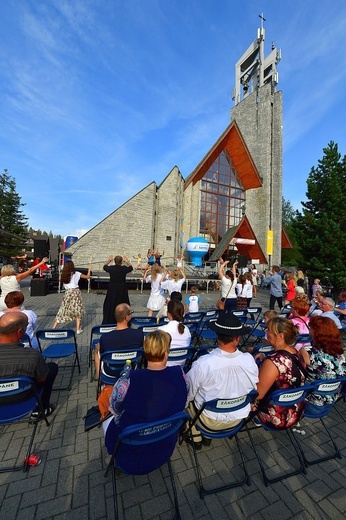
point(156, 298)
point(174, 282)
point(71, 307)
point(180, 333)
point(228, 285)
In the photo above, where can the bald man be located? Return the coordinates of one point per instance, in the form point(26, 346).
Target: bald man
point(15, 360)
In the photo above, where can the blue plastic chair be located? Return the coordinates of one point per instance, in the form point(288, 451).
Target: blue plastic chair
point(204, 334)
point(255, 313)
point(148, 435)
point(142, 321)
point(95, 334)
point(225, 405)
point(61, 344)
point(12, 411)
point(286, 397)
point(185, 354)
point(112, 363)
point(323, 387)
point(147, 329)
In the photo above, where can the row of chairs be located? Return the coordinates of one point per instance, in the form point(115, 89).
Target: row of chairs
point(150, 433)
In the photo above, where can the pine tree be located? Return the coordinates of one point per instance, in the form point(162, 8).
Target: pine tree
point(321, 227)
point(13, 223)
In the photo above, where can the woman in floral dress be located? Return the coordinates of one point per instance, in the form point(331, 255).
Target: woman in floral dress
point(325, 360)
point(280, 370)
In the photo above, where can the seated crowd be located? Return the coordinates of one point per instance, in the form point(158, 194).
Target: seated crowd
point(162, 388)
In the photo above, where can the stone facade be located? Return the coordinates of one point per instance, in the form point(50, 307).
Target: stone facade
point(260, 121)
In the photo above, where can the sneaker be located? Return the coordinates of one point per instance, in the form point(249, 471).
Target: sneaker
point(206, 441)
point(35, 414)
point(79, 331)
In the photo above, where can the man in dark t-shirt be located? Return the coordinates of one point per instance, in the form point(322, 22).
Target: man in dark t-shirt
point(122, 337)
point(16, 360)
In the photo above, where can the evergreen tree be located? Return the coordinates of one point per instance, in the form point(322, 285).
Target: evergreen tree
point(12, 220)
point(293, 256)
point(321, 227)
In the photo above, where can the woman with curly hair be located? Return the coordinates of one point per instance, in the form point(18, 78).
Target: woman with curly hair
point(71, 307)
point(325, 360)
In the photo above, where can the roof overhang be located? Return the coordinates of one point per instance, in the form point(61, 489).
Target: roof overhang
point(285, 240)
point(233, 141)
point(243, 230)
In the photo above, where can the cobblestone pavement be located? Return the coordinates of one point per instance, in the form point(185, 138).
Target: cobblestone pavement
point(70, 482)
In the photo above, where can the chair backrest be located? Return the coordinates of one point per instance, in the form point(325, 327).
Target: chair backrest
point(147, 433)
point(55, 335)
point(264, 348)
point(193, 317)
point(328, 386)
point(254, 311)
point(98, 330)
point(147, 329)
point(304, 338)
point(230, 404)
point(290, 396)
point(26, 340)
point(181, 354)
point(142, 321)
point(11, 388)
point(206, 349)
point(113, 361)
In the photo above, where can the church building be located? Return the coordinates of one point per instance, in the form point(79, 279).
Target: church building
point(233, 198)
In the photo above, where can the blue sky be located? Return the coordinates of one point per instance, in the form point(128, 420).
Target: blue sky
point(101, 97)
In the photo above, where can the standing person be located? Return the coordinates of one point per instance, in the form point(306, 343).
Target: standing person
point(275, 287)
point(117, 289)
point(156, 298)
point(174, 282)
point(150, 257)
point(14, 301)
point(10, 280)
point(15, 360)
point(243, 293)
point(158, 257)
point(71, 307)
point(291, 288)
point(192, 302)
point(254, 274)
point(316, 287)
point(250, 288)
point(228, 285)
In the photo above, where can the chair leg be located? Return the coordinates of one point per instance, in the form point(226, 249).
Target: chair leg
point(335, 455)
point(115, 496)
point(175, 495)
point(300, 470)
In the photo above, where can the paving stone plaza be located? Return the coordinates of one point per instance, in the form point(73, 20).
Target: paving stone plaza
point(70, 482)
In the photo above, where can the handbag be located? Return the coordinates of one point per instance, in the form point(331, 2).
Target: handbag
point(220, 304)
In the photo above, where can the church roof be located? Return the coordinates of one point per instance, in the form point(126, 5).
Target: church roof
point(243, 230)
point(233, 141)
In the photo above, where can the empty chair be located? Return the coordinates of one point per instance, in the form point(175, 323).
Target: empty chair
point(11, 390)
point(59, 343)
point(253, 315)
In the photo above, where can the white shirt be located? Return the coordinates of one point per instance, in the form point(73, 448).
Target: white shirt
point(245, 291)
point(192, 301)
point(172, 285)
point(226, 284)
point(73, 283)
point(222, 375)
point(178, 340)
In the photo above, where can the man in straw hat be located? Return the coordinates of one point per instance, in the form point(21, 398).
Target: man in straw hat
point(225, 373)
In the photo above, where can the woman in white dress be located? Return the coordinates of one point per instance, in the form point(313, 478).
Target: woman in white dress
point(156, 298)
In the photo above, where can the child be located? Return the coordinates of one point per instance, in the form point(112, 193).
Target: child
point(192, 301)
point(139, 261)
